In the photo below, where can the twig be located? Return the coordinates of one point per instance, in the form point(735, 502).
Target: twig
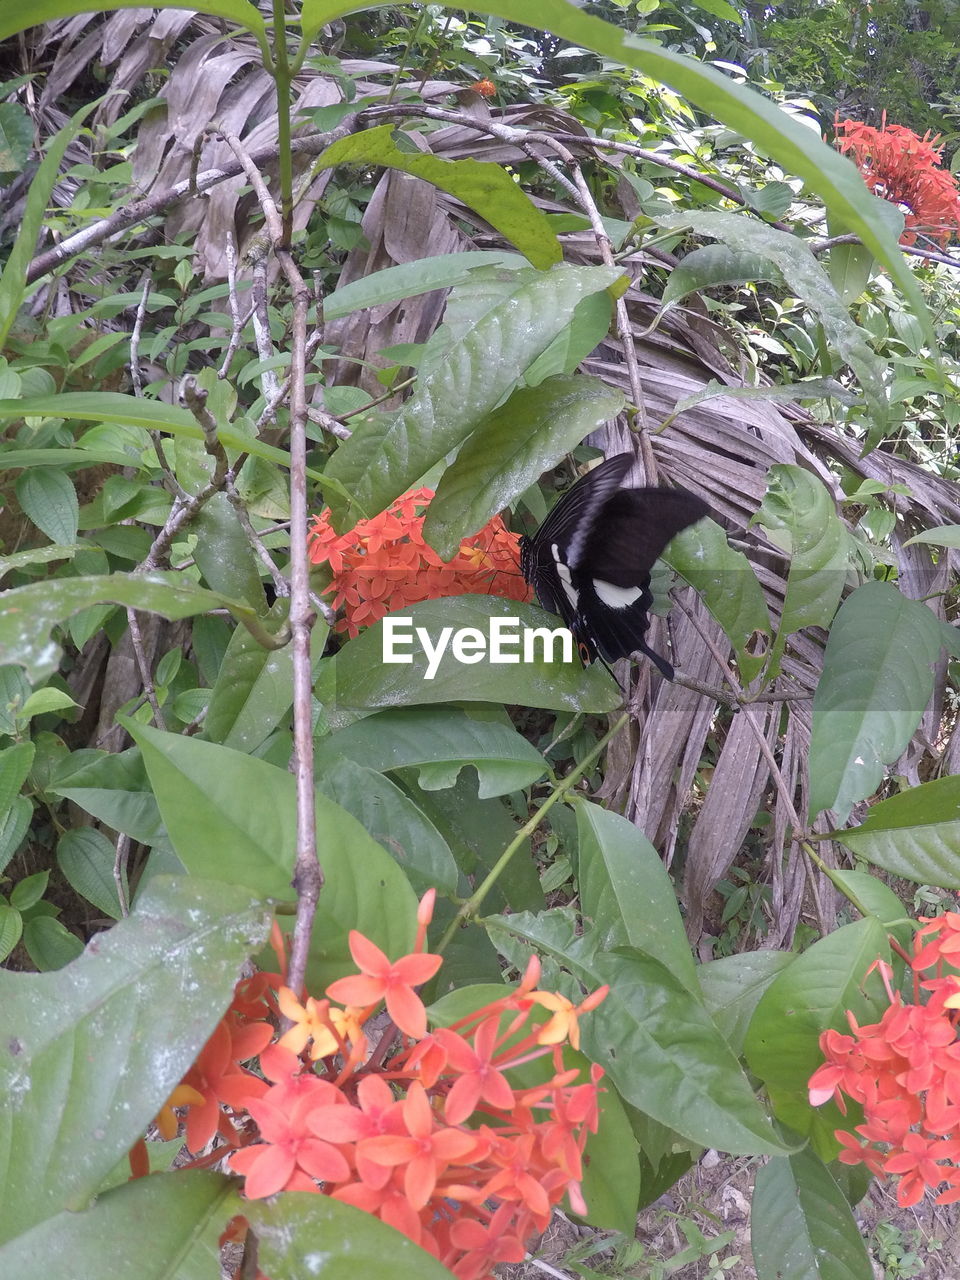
point(143, 666)
point(238, 321)
point(120, 872)
point(135, 338)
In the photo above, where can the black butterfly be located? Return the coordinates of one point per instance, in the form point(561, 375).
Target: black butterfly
point(591, 558)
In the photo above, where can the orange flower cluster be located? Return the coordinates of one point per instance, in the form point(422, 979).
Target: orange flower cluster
point(486, 88)
point(905, 1072)
point(906, 170)
point(383, 564)
point(434, 1140)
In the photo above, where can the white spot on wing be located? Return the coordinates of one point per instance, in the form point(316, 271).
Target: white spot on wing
point(563, 573)
point(616, 597)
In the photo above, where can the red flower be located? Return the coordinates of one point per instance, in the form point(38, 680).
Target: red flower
point(905, 170)
point(381, 979)
point(383, 564)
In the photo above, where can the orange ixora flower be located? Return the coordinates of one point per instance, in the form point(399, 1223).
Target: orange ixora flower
point(427, 1131)
point(905, 1072)
point(906, 170)
point(486, 88)
point(384, 564)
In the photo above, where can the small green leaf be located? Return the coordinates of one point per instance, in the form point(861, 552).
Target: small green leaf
point(13, 827)
point(49, 944)
point(29, 890)
point(16, 138)
point(716, 265)
point(49, 499)
point(44, 701)
point(15, 764)
point(86, 857)
point(411, 279)
point(877, 680)
point(11, 929)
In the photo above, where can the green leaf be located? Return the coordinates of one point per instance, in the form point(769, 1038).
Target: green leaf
point(915, 835)
point(86, 857)
point(395, 822)
point(370, 672)
point(49, 944)
point(411, 279)
point(733, 985)
point(241, 12)
point(801, 1226)
point(589, 325)
point(485, 187)
point(510, 451)
point(716, 265)
point(254, 686)
point(161, 1228)
point(726, 580)
point(134, 411)
point(626, 893)
point(804, 276)
point(13, 827)
point(49, 499)
point(44, 701)
point(15, 763)
point(28, 891)
point(226, 559)
point(16, 137)
point(812, 994)
point(301, 1234)
point(231, 816)
point(97, 1047)
point(11, 929)
point(439, 741)
point(850, 266)
point(801, 516)
point(29, 614)
point(877, 679)
point(655, 1040)
point(114, 789)
point(14, 276)
point(480, 364)
point(944, 535)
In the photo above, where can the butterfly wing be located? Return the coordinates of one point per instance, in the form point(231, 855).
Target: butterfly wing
point(545, 558)
point(612, 575)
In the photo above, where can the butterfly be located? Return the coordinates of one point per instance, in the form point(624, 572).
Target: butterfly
point(590, 560)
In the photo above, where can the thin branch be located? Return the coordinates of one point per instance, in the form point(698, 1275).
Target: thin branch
point(135, 377)
point(120, 872)
point(143, 666)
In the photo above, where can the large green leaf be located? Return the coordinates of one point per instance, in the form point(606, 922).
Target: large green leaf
point(510, 451)
point(301, 1235)
point(626, 893)
point(233, 816)
point(726, 580)
point(113, 787)
point(162, 1228)
point(369, 672)
point(801, 516)
point(90, 1053)
point(877, 680)
point(714, 265)
point(812, 994)
point(482, 186)
point(655, 1040)
point(29, 614)
point(801, 1226)
point(804, 276)
point(732, 987)
point(438, 742)
point(410, 279)
point(49, 499)
point(395, 822)
point(915, 835)
point(14, 19)
point(480, 364)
